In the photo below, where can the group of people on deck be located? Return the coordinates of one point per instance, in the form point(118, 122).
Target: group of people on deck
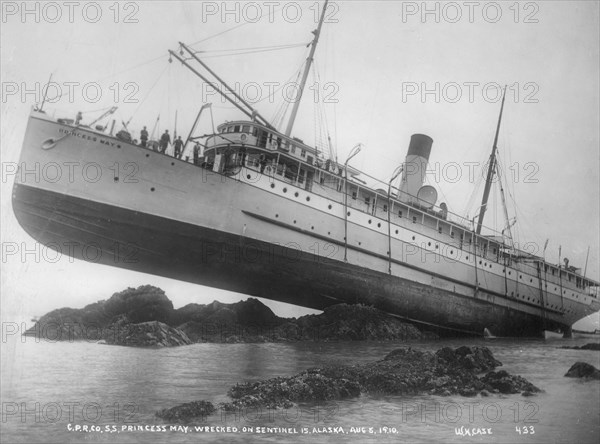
point(164, 142)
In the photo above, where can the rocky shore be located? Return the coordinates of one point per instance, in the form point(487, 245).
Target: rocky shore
point(404, 371)
point(145, 317)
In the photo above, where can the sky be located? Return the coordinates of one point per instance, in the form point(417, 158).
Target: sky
point(385, 70)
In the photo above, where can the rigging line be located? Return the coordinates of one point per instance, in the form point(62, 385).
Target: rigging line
point(289, 45)
point(286, 103)
point(96, 110)
point(246, 52)
point(324, 115)
point(150, 90)
point(231, 29)
point(115, 74)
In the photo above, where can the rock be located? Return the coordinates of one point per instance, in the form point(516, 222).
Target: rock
point(583, 370)
point(589, 346)
point(477, 359)
point(507, 384)
point(244, 321)
point(147, 334)
point(402, 371)
point(188, 411)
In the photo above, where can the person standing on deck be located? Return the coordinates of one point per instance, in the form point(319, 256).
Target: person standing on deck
point(165, 139)
point(196, 153)
point(178, 144)
point(144, 137)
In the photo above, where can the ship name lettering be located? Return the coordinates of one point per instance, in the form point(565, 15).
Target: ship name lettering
point(89, 137)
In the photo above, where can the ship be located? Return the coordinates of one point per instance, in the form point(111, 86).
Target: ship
point(259, 212)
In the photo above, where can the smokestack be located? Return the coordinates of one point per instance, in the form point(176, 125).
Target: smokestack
point(415, 167)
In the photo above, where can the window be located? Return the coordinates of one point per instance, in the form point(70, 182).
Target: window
point(303, 153)
point(400, 214)
point(385, 208)
point(236, 129)
point(246, 129)
point(309, 160)
point(353, 195)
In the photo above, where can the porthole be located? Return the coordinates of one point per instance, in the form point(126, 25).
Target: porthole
point(312, 227)
point(396, 231)
point(152, 189)
point(467, 258)
point(360, 243)
point(378, 225)
point(248, 176)
point(272, 185)
point(429, 244)
point(413, 238)
point(307, 198)
point(277, 215)
point(329, 206)
point(348, 213)
point(172, 163)
point(294, 221)
point(285, 190)
point(147, 155)
point(296, 194)
point(451, 251)
point(437, 246)
point(369, 221)
point(530, 280)
point(116, 179)
point(329, 233)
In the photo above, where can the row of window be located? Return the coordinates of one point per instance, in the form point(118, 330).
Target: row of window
point(370, 221)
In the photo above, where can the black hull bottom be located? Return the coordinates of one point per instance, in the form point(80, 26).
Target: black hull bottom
point(165, 247)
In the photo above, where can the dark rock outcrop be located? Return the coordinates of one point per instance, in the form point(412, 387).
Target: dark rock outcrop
point(147, 334)
point(195, 409)
point(404, 371)
point(244, 321)
point(145, 303)
point(589, 346)
point(344, 322)
point(583, 370)
point(508, 384)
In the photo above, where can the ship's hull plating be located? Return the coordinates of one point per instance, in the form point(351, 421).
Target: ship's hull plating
point(121, 205)
point(119, 237)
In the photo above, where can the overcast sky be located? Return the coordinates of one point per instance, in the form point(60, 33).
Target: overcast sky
point(374, 61)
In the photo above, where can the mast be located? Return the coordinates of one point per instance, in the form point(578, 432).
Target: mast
point(491, 169)
point(309, 61)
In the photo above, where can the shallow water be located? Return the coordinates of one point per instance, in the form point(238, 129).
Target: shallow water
point(47, 387)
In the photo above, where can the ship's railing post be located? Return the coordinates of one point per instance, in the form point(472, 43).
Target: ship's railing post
point(395, 174)
point(353, 153)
